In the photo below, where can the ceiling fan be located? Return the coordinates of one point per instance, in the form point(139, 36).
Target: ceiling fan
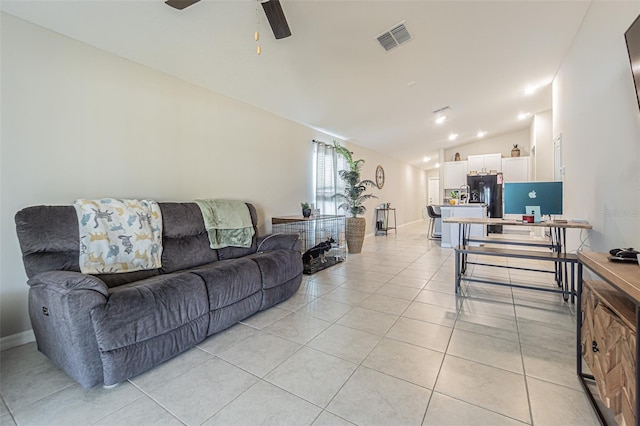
point(272, 9)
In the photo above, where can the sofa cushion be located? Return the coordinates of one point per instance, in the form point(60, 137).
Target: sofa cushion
point(115, 280)
point(149, 308)
point(186, 252)
point(278, 266)
point(185, 243)
point(49, 240)
point(48, 237)
point(229, 281)
point(236, 252)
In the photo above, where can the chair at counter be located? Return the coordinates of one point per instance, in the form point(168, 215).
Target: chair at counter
point(432, 223)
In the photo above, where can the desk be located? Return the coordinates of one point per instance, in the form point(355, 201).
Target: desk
point(607, 324)
point(557, 243)
point(558, 230)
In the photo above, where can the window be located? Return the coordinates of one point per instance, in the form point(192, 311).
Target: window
point(327, 181)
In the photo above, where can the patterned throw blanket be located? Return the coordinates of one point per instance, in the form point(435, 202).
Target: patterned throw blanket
point(119, 235)
point(228, 223)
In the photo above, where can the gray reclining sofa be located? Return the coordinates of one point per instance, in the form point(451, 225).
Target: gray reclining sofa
point(104, 329)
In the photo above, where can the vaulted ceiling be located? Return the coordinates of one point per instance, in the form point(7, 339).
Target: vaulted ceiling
point(475, 57)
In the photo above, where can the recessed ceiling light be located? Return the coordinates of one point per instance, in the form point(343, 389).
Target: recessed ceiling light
point(481, 134)
point(426, 159)
point(411, 83)
point(530, 90)
point(437, 165)
point(441, 119)
point(524, 115)
point(453, 136)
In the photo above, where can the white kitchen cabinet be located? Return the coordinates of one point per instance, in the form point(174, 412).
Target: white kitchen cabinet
point(516, 169)
point(455, 174)
point(484, 163)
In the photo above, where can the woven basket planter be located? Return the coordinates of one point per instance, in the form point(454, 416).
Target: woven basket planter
point(355, 227)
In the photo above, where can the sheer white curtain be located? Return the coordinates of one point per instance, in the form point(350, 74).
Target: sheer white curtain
point(327, 164)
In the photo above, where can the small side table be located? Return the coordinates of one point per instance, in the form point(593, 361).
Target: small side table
point(383, 217)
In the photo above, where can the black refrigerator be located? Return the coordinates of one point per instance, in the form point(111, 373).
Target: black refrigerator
point(487, 189)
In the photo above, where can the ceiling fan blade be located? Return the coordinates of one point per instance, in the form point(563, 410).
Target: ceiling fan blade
point(276, 18)
point(180, 4)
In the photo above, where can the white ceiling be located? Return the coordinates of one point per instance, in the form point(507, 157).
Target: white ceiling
point(331, 74)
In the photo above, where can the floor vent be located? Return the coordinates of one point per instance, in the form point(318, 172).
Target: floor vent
point(394, 37)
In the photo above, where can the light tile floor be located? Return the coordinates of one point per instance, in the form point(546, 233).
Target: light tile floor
point(378, 340)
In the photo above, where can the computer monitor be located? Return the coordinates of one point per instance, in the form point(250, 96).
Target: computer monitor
point(547, 195)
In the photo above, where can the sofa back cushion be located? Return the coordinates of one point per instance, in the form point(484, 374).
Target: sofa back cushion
point(49, 241)
point(235, 252)
point(185, 243)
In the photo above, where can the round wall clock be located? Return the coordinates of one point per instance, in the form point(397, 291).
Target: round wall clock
point(379, 177)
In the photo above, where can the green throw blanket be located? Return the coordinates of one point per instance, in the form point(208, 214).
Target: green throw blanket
point(227, 222)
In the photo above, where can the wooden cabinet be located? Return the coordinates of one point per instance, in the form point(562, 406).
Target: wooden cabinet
point(609, 346)
point(607, 339)
point(455, 174)
point(516, 169)
point(484, 163)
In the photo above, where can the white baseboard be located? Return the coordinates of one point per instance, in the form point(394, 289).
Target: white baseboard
point(17, 339)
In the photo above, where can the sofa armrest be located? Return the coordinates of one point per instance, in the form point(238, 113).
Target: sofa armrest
point(65, 282)
point(60, 305)
point(279, 241)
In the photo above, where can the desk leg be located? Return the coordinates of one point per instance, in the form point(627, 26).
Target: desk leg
point(563, 247)
point(457, 271)
point(554, 248)
point(637, 369)
point(462, 240)
point(579, 324)
point(573, 283)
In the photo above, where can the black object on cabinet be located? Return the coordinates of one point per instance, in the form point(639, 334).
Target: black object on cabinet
point(487, 189)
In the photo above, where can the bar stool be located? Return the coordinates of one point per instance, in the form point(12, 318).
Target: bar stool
point(432, 223)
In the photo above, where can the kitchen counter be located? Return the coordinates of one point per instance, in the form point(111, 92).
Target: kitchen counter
point(450, 231)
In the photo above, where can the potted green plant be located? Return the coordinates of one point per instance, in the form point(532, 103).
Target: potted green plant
point(306, 209)
point(353, 198)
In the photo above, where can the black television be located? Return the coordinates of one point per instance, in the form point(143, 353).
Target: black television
point(632, 37)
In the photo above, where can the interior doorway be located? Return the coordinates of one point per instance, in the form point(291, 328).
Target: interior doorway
point(433, 195)
point(558, 167)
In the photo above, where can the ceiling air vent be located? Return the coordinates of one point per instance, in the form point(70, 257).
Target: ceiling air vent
point(394, 37)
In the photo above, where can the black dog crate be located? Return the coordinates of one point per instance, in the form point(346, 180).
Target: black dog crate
point(314, 231)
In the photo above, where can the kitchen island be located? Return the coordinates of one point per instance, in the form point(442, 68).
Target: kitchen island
point(450, 231)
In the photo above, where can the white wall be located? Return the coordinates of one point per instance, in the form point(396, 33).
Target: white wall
point(79, 122)
point(596, 113)
point(492, 145)
point(542, 140)
point(400, 181)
